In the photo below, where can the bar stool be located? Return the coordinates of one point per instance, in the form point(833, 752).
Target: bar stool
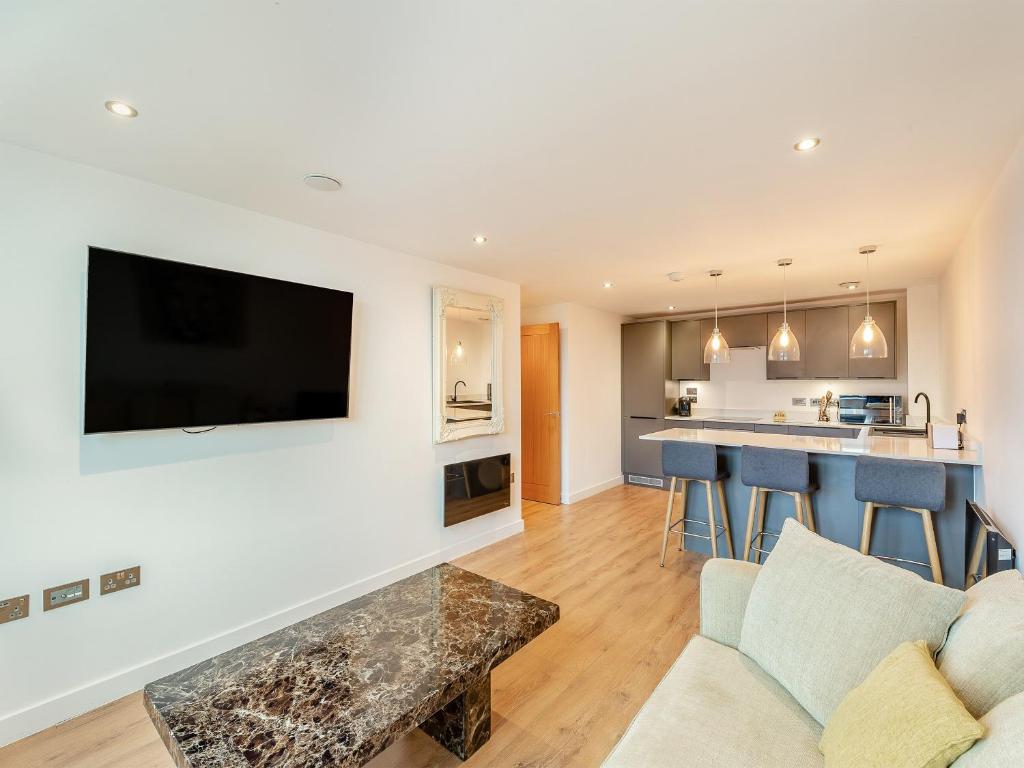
point(696, 462)
point(918, 486)
point(778, 470)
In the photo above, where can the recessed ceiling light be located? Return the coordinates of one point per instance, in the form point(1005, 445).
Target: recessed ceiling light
point(121, 109)
point(806, 145)
point(608, 283)
point(480, 239)
point(850, 285)
point(671, 307)
point(321, 182)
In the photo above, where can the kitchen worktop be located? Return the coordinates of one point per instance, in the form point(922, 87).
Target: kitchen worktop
point(912, 448)
point(795, 420)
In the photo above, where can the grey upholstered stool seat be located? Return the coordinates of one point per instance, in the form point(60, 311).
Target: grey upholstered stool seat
point(700, 463)
point(919, 486)
point(778, 470)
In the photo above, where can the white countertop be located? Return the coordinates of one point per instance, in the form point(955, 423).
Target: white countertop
point(796, 421)
point(911, 448)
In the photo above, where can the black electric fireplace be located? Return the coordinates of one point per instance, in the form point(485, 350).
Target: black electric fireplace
point(476, 487)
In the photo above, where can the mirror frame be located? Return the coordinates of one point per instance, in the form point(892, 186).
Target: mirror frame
point(495, 306)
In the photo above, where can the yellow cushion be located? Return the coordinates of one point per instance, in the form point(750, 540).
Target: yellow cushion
point(904, 715)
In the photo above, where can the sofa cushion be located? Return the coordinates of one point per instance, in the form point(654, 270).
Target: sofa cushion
point(715, 707)
point(904, 715)
point(983, 660)
point(1003, 744)
point(821, 616)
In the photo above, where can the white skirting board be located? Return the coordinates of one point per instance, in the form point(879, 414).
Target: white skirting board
point(592, 490)
point(44, 714)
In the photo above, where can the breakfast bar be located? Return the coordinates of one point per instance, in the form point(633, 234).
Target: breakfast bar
point(838, 514)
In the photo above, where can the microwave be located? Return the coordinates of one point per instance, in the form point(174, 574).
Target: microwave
point(872, 409)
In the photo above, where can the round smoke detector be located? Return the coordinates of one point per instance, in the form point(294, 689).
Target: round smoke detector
point(322, 182)
point(676, 277)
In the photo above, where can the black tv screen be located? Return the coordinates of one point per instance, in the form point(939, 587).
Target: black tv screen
point(178, 345)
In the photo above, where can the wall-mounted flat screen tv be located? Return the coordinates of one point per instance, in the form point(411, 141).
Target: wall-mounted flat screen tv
point(178, 345)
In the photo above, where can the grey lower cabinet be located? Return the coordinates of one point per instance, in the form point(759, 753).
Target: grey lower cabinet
point(646, 369)
point(791, 369)
point(687, 352)
point(641, 457)
point(884, 314)
point(846, 432)
point(735, 426)
point(827, 350)
point(772, 429)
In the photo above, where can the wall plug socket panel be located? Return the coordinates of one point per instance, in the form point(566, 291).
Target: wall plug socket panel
point(815, 401)
point(798, 401)
point(13, 608)
point(118, 581)
point(65, 594)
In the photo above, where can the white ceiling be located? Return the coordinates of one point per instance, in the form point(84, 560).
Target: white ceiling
point(588, 140)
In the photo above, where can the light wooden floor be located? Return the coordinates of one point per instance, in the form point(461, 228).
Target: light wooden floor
point(564, 700)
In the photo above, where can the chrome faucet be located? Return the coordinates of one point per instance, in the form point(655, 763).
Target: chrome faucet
point(927, 406)
point(455, 392)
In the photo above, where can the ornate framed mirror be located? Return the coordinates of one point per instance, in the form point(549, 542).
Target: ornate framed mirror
point(468, 394)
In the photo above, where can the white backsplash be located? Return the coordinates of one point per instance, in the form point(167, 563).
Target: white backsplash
point(742, 384)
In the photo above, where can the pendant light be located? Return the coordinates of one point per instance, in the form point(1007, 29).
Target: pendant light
point(868, 340)
point(784, 346)
point(717, 349)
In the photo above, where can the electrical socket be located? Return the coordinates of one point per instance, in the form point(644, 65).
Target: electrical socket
point(13, 608)
point(66, 594)
point(118, 581)
point(692, 392)
point(815, 401)
point(799, 401)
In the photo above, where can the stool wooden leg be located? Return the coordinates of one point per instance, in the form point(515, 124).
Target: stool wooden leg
point(684, 485)
point(929, 540)
point(668, 519)
point(809, 513)
point(712, 528)
point(975, 564)
point(750, 525)
point(723, 510)
point(798, 504)
point(762, 501)
point(865, 534)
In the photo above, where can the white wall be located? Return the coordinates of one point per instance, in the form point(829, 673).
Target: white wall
point(924, 352)
point(590, 347)
point(239, 531)
point(983, 343)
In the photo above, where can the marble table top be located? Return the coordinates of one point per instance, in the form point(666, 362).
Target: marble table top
point(341, 686)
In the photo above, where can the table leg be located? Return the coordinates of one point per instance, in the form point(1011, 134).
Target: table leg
point(463, 725)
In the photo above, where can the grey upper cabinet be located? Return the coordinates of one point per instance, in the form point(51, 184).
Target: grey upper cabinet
point(826, 353)
point(687, 352)
point(739, 330)
point(884, 313)
point(793, 369)
point(646, 369)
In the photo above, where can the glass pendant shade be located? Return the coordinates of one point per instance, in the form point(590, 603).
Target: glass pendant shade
point(717, 349)
point(869, 341)
point(784, 346)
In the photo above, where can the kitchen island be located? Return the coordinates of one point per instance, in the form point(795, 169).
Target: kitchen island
point(838, 514)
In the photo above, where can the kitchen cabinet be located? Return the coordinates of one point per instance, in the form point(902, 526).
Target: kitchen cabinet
point(790, 369)
point(736, 426)
point(846, 432)
point(827, 351)
point(688, 352)
point(739, 330)
point(641, 457)
point(646, 369)
point(884, 313)
point(772, 429)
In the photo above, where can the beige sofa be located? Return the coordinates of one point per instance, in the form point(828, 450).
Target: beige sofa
point(716, 706)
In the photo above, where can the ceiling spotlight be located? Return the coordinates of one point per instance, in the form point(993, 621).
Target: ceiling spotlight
point(850, 285)
point(675, 277)
point(806, 145)
point(671, 307)
point(322, 182)
point(121, 109)
point(607, 284)
point(480, 239)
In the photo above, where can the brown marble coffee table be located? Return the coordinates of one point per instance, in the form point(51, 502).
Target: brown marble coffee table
point(337, 688)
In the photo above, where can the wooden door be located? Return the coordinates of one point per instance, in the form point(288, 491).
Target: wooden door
point(542, 433)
